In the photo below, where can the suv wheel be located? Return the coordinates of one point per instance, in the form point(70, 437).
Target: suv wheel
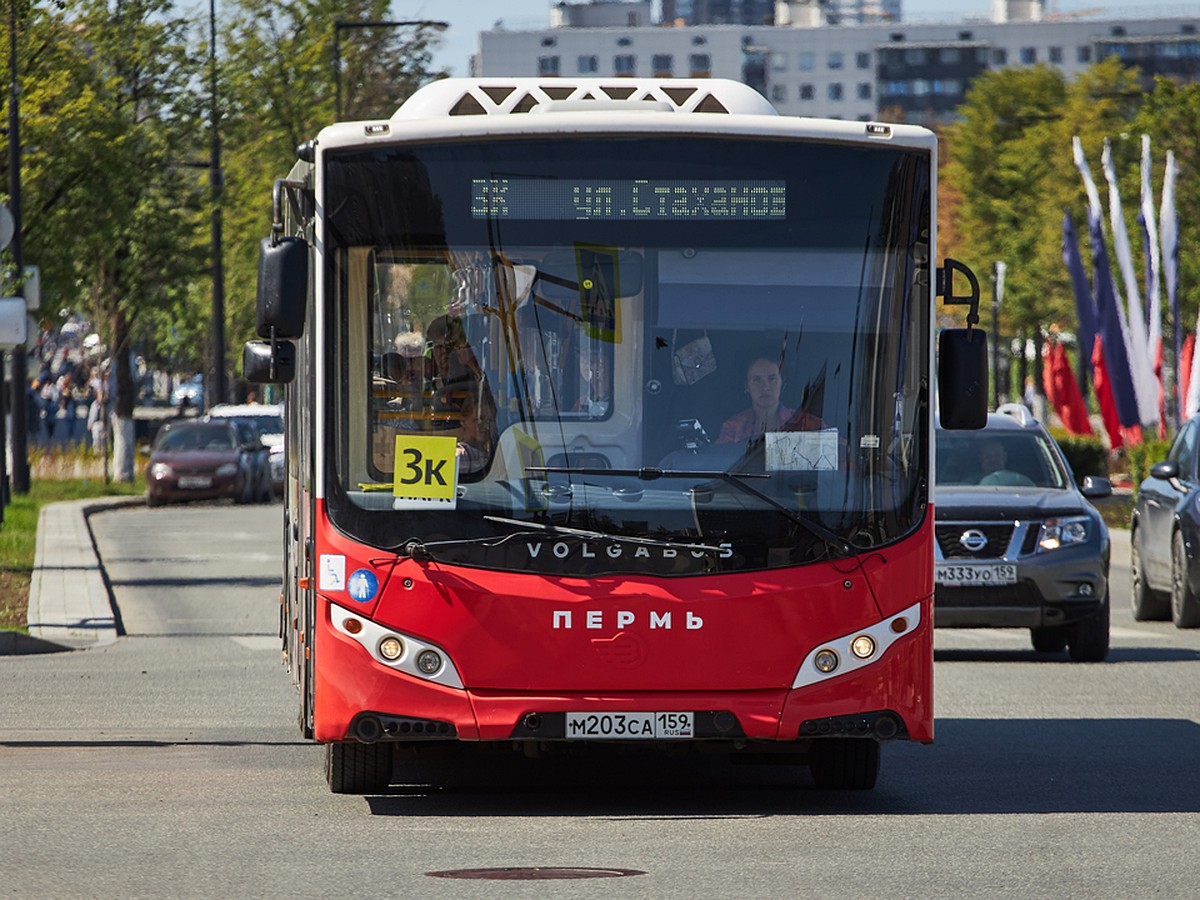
point(1049, 640)
point(1146, 604)
point(1185, 605)
point(1088, 641)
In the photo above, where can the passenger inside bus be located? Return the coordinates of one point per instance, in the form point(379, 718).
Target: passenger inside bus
point(461, 401)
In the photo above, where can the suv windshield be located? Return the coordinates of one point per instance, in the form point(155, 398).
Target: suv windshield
point(609, 355)
point(998, 458)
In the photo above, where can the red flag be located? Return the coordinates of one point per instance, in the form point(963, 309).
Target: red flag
point(1185, 372)
point(1063, 391)
point(1104, 396)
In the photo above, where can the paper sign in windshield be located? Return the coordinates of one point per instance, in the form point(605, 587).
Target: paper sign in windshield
point(426, 474)
point(802, 451)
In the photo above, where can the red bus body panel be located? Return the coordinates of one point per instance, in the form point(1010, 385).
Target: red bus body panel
point(532, 643)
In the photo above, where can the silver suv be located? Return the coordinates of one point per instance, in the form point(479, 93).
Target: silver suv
point(1018, 544)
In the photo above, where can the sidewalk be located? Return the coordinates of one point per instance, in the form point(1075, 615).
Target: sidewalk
point(69, 603)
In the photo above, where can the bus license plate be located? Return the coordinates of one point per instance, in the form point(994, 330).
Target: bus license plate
point(629, 725)
point(975, 575)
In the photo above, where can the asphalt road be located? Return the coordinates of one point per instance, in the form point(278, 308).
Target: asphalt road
point(169, 764)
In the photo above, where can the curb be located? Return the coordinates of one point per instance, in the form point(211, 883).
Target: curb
point(70, 605)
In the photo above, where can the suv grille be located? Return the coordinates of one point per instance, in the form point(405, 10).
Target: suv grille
point(998, 535)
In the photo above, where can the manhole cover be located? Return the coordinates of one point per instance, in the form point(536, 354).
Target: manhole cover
point(534, 873)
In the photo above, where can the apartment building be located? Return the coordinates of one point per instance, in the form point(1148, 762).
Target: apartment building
point(872, 68)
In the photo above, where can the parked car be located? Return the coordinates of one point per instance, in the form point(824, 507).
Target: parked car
point(268, 418)
point(1018, 544)
point(1165, 536)
point(195, 460)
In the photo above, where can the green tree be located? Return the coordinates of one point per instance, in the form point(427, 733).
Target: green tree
point(108, 117)
point(1171, 117)
point(278, 91)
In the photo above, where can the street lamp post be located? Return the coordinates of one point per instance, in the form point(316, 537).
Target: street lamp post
point(216, 387)
point(20, 421)
point(341, 25)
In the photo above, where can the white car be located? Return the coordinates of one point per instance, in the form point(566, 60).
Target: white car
point(268, 418)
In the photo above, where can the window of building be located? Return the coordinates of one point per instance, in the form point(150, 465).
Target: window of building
point(946, 87)
point(549, 41)
point(835, 90)
point(588, 65)
point(700, 65)
point(806, 61)
point(625, 64)
point(662, 64)
point(862, 60)
point(915, 56)
point(1000, 56)
point(864, 90)
point(548, 65)
point(949, 55)
point(1056, 55)
point(1083, 54)
point(806, 92)
point(895, 89)
point(779, 62)
point(624, 42)
point(778, 93)
point(699, 40)
point(834, 59)
point(920, 87)
point(1028, 55)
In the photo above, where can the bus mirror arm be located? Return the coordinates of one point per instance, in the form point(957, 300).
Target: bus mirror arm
point(945, 289)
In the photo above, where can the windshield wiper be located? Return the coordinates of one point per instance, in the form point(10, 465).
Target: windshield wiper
point(605, 536)
point(652, 473)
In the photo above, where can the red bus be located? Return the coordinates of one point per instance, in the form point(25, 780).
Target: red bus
point(609, 418)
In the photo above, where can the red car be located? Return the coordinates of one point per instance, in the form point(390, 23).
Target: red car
point(203, 461)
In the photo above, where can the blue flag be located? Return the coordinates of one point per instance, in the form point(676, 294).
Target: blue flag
point(1111, 328)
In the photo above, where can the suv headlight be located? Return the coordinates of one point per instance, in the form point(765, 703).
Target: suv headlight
point(1057, 533)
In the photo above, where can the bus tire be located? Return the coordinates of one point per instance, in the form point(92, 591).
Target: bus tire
point(354, 768)
point(844, 764)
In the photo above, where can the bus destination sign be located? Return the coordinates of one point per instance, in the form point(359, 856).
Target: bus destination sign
point(636, 198)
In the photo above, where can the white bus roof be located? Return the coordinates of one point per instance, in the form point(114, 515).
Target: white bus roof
point(470, 107)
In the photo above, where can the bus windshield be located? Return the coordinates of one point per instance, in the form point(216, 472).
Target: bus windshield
point(663, 355)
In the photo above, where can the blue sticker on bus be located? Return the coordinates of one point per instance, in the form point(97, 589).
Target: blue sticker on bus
point(363, 585)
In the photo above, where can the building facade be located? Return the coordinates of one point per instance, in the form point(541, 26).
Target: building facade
point(917, 72)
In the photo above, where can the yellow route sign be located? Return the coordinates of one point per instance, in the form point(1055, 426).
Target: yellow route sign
point(426, 472)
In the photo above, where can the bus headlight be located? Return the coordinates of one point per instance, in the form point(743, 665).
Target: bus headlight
point(826, 660)
point(429, 661)
point(391, 648)
point(863, 646)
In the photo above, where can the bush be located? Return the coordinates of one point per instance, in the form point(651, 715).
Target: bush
point(1142, 456)
point(1085, 455)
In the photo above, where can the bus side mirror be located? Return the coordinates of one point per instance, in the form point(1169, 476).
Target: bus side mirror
point(282, 287)
point(962, 378)
point(266, 362)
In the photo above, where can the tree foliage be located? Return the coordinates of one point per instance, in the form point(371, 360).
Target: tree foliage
point(1013, 175)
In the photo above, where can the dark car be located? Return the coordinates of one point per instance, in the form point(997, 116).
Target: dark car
point(1018, 544)
point(193, 460)
point(1165, 535)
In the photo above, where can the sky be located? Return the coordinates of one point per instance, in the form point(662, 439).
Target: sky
point(469, 17)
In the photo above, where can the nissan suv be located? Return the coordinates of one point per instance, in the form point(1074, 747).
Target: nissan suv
point(1018, 544)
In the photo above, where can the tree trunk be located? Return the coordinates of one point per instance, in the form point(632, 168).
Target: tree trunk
point(124, 439)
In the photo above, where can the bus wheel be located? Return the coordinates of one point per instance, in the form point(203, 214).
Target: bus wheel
point(844, 764)
point(354, 768)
